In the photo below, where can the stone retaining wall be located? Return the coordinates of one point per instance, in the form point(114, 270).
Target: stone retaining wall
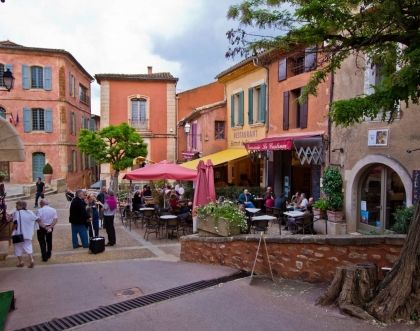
point(308, 258)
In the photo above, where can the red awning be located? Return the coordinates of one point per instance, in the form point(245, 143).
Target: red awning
point(278, 143)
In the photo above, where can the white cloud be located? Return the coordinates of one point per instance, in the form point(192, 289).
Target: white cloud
point(108, 36)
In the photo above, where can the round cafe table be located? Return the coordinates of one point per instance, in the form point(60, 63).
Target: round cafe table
point(165, 218)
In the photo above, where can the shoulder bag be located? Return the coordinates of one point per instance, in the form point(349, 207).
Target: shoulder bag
point(18, 238)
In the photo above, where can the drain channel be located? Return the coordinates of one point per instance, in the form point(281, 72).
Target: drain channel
point(124, 306)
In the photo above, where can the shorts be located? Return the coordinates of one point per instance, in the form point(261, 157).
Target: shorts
point(25, 247)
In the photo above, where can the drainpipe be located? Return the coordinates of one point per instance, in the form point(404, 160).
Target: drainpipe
point(329, 120)
point(176, 127)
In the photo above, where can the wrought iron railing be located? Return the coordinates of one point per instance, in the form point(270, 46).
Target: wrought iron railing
point(140, 124)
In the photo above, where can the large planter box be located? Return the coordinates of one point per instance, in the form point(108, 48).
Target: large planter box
point(320, 213)
point(221, 227)
point(335, 216)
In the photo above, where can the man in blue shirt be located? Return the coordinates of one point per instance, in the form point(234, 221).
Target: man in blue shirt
point(246, 199)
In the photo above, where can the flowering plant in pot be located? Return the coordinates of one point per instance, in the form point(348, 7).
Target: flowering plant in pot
point(221, 219)
point(332, 187)
point(320, 208)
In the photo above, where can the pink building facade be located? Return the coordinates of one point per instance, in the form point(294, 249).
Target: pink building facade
point(48, 105)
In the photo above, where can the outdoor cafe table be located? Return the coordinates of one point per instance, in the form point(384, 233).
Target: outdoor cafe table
point(267, 218)
point(293, 214)
point(251, 212)
point(165, 218)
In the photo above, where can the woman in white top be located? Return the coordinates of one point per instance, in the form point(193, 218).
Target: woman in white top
point(24, 223)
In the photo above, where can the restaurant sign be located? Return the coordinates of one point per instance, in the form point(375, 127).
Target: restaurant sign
point(279, 145)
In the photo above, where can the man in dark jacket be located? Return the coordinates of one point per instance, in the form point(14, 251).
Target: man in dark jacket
point(79, 219)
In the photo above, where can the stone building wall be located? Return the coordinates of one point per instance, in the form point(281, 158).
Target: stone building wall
point(307, 258)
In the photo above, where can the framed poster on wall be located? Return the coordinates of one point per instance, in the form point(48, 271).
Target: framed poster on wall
point(378, 137)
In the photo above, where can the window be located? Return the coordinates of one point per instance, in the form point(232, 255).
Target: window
point(237, 109)
point(73, 123)
point(298, 63)
point(194, 135)
point(37, 119)
point(219, 130)
point(2, 112)
point(83, 94)
point(138, 113)
point(72, 85)
point(257, 104)
point(74, 161)
point(295, 114)
point(36, 77)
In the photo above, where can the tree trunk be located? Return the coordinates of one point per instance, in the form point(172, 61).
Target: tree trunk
point(396, 297)
point(114, 181)
point(351, 288)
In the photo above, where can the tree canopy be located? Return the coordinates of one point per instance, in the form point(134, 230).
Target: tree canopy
point(116, 145)
point(386, 31)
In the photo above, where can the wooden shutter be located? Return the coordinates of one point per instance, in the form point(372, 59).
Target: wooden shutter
point(286, 110)
point(263, 103)
point(241, 109)
point(70, 85)
point(310, 58)
point(232, 111)
point(282, 69)
point(47, 79)
point(27, 120)
point(26, 77)
point(48, 120)
point(250, 105)
point(304, 114)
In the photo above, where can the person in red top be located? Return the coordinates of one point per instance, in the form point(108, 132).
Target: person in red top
point(269, 197)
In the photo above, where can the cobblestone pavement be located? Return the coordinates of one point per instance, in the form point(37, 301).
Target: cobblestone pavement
point(130, 244)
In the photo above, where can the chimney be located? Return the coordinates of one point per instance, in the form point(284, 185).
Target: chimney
point(149, 70)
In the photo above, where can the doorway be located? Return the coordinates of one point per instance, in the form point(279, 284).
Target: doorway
point(38, 163)
point(381, 192)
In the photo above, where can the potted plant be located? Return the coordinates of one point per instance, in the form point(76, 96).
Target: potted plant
point(222, 219)
point(332, 187)
point(320, 208)
point(47, 171)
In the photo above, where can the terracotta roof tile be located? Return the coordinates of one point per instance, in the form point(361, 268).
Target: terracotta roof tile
point(158, 76)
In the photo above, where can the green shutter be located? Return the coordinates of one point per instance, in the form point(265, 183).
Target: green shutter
point(48, 120)
point(26, 77)
point(232, 111)
point(250, 105)
point(241, 109)
point(26, 120)
point(263, 103)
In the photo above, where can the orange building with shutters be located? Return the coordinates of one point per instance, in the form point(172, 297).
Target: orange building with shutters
point(48, 105)
point(148, 103)
point(296, 132)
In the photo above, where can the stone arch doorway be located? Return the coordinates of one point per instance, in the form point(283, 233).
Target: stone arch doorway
point(11, 146)
point(369, 194)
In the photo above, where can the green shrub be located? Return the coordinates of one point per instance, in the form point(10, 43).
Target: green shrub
point(403, 217)
point(321, 204)
point(332, 186)
point(227, 210)
point(47, 170)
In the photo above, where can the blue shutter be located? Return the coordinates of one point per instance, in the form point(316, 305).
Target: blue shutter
point(250, 105)
point(282, 69)
point(232, 111)
point(26, 120)
point(26, 77)
point(263, 103)
point(47, 78)
point(48, 120)
point(310, 58)
point(241, 109)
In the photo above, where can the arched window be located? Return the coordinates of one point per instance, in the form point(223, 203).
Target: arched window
point(2, 112)
point(139, 118)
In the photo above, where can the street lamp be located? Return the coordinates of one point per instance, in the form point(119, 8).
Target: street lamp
point(8, 80)
point(187, 128)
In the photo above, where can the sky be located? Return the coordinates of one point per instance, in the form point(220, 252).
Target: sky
point(184, 37)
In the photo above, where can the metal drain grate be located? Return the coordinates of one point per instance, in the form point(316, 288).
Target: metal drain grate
point(124, 306)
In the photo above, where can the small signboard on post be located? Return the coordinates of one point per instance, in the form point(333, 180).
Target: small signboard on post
point(416, 186)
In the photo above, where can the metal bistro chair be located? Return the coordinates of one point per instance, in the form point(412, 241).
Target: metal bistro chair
point(259, 226)
point(145, 215)
point(172, 226)
point(152, 225)
point(185, 223)
point(305, 222)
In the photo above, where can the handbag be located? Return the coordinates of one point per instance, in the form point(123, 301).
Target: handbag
point(18, 238)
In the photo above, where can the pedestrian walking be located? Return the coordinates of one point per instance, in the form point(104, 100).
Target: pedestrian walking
point(110, 207)
point(24, 223)
point(40, 189)
point(48, 218)
point(79, 219)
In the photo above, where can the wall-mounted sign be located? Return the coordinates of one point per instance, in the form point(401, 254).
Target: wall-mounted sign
point(416, 186)
point(378, 137)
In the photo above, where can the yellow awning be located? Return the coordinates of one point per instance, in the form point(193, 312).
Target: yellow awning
point(218, 158)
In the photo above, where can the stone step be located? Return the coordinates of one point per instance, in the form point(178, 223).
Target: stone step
point(16, 197)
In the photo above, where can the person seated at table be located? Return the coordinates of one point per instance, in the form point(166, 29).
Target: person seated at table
point(147, 192)
point(310, 203)
point(137, 200)
point(173, 203)
point(280, 201)
point(245, 198)
point(296, 199)
point(269, 197)
point(303, 202)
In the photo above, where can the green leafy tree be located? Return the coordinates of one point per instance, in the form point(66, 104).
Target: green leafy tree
point(385, 31)
point(116, 145)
